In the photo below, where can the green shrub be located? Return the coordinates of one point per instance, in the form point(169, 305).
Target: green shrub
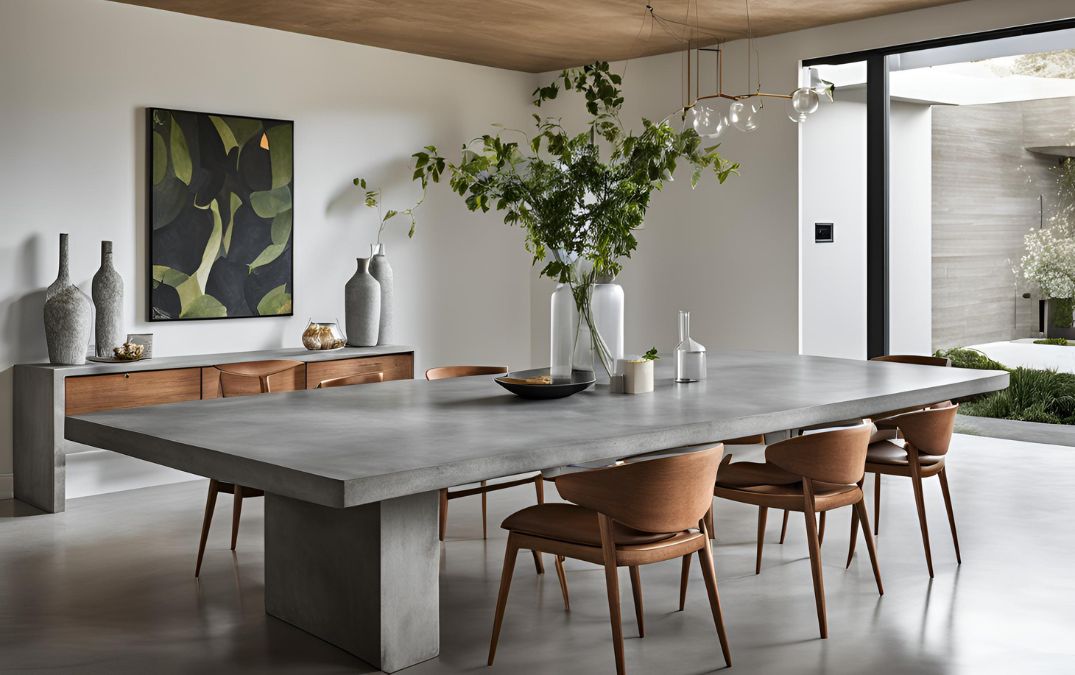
point(964, 357)
point(1032, 396)
point(1059, 342)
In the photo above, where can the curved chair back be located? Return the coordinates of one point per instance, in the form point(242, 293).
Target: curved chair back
point(915, 359)
point(445, 372)
point(668, 494)
point(233, 376)
point(930, 430)
point(348, 380)
point(837, 456)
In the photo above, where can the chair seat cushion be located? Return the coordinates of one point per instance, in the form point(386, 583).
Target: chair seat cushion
point(575, 524)
point(745, 474)
point(893, 454)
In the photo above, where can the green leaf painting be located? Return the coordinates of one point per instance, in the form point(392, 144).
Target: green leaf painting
point(221, 215)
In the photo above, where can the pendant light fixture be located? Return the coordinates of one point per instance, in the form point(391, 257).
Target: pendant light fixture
point(711, 115)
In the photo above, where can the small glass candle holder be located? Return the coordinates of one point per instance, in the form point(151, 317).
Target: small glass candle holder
point(320, 336)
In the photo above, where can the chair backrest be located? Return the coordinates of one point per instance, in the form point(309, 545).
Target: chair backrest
point(929, 431)
point(348, 380)
point(236, 378)
point(445, 372)
point(837, 456)
point(668, 494)
point(916, 359)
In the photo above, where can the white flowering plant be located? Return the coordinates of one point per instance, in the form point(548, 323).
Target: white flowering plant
point(1049, 262)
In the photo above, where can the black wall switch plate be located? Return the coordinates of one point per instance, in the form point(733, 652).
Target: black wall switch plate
point(823, 233)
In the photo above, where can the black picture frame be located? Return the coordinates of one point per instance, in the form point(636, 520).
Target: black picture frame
point(223, 195)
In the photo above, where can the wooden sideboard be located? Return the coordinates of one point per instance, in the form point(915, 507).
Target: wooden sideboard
point(44, 394)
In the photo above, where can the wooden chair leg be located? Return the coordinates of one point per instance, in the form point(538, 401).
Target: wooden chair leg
point(705, 559)
point(815, 557)
point(943, 475)
point(539, 566)
point(854, 531)
point(443, 513)
point(485, 512)
point(821, 529)
point(684, 574)
point(636, 591)
point(876, 504)
point(864, 518)
point(854, 536)
point(562, 576)
point(539, 488)
point(762, 512)
point(784, 527)
point(920, 503)
point(711, 527)
point(207, 520)
point(612, 585)
point(502, 598)
point(236, 512)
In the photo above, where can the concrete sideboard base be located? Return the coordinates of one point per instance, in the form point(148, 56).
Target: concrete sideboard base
point(364, 579)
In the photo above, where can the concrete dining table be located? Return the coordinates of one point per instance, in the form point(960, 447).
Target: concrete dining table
point(351, 475)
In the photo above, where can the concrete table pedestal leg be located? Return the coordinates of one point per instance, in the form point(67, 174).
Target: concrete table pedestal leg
point(362, 578)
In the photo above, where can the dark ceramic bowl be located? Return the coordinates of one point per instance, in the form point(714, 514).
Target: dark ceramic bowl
point(558, 389)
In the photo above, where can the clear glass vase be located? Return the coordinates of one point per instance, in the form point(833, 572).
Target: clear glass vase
point(606, 303)
point(564, 333)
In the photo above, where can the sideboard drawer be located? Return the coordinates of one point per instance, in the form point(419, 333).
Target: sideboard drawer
point(90, 393)
point(394, 367)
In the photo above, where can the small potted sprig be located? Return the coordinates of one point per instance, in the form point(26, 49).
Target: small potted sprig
point(638, 373)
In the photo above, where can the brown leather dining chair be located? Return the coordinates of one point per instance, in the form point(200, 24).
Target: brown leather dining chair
point(238, 379)
point(625, 515)
point(926, 436)
point(349, 380)
point(885, 430)
point(814, 473)
point(446, 372)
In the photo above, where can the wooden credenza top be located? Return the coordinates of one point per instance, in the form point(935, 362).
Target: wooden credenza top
point(209, 360)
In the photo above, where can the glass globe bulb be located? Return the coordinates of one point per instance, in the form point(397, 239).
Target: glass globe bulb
point(707, 121)
point(805, 100)
point(793, 114)
point(743, 117)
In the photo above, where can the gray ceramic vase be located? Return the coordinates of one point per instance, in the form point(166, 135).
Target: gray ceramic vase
point(362, 307)
point(107, 294)
point(68, 317)
point(382, 272)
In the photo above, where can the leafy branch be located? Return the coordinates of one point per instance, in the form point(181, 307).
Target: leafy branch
point(579, 197)
point(373, 200)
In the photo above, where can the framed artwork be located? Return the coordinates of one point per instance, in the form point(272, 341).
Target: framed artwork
point(221, 226)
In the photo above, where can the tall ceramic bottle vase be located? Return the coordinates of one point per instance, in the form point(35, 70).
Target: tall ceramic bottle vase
point(382, 272)
point(107, 294)
point(68, 317)
point(362, 307)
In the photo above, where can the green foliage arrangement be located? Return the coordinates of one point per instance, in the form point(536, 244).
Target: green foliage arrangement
point(651, 355)
point(579, 197)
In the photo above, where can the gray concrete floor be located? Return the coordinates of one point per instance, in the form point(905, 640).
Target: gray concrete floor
point(107, 587)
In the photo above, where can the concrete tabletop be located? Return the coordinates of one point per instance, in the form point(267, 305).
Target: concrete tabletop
point(355, 445)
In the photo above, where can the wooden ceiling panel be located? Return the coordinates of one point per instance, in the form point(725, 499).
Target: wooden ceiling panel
point(530, 35)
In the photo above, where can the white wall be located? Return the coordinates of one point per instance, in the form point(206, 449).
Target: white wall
point(833, 190)
point(731, 253)
point(74, 80)
point(910, 229)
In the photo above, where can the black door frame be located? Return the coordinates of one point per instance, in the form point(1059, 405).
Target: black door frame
point(877, 156)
